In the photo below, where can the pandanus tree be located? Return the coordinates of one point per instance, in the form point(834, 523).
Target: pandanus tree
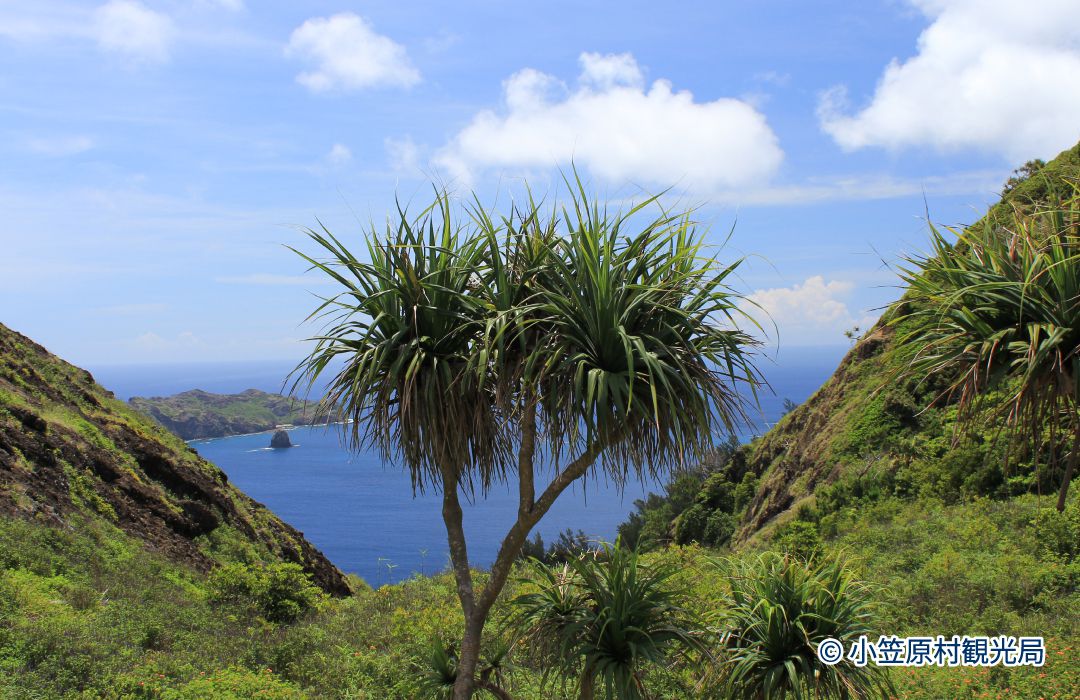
point(1000, 306)
point(535, 346)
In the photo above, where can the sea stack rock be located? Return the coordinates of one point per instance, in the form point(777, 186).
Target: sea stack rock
point(280, 439)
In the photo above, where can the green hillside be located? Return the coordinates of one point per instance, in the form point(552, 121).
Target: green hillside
point(864, 424)
point(71, 453)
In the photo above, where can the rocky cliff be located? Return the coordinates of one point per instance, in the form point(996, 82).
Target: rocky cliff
point(70, 450)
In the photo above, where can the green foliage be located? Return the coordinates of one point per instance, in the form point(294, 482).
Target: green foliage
point(987, 567)
point(612, 324)
point(719, 528)
point(745, 491)
point(717, 493)
point(608, 340)
point(234, 684)
point(569, 545)
point(599, 622)
point(690, 525)
point(280, 592)
point(693, 499)
point(1022, 174)
point(799, 539)
point(86, 612)
point(1058, 533)
point(1000, 304)
point(779, 610)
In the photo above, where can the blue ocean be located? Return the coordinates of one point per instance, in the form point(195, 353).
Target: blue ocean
point(362, 512)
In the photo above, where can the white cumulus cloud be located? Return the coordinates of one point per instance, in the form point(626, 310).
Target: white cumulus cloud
point(130, 28)
point(993, 75)
point(348, 54)
point(814, 312)
point(618, 127)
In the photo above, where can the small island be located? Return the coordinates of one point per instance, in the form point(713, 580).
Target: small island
point(280, 440)
point(197, 414)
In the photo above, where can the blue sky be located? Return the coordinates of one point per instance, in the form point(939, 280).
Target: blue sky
point(156, 156)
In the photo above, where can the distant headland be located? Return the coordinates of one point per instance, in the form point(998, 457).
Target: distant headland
point(197, 414)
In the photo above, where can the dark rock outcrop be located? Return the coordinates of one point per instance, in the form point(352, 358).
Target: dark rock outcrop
point(280, 439)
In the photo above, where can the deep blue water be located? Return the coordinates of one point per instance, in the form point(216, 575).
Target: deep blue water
point(362, 513)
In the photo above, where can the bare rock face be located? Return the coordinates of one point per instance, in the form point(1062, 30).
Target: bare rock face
point(280, 439)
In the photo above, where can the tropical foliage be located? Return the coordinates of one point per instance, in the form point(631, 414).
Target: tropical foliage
point(1002, 304)
point(87, 612)
point(778, 612)
point(600, 620)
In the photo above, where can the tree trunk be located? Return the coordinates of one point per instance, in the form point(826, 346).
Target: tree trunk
point(1069, 468)
point(478, 608)
point(469, 656)
point(459, 560)
point(586, 691)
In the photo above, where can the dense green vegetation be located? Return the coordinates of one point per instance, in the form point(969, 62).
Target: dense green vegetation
point(69, 449)
point(999, 307)
point(86, 611)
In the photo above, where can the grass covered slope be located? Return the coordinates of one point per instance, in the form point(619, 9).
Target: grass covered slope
point(198, 414)
point(862, 422)
point(71, 453)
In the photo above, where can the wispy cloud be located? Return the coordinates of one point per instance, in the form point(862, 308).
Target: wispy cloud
point(868, 186)
point(138, 309)
point(129, 28)
point(59, 146)
point(339, 154)
point(815, 311)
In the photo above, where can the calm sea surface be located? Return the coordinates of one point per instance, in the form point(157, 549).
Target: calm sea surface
point(362, 512)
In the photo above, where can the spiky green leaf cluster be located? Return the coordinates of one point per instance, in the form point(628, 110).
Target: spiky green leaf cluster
point(615, 330)
point(603, 619)
point(1002, 302)
point(779, 610)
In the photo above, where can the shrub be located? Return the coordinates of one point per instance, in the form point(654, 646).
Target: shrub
point(719, 528)
point(798, 538)
point(717, 493)
point(744, 492)
point(235, 684)
point(279, 592)
point(690, 526)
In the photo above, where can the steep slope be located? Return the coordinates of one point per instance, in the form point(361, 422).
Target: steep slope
point(861, 423)
point(69, 449)
point(198, 414)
